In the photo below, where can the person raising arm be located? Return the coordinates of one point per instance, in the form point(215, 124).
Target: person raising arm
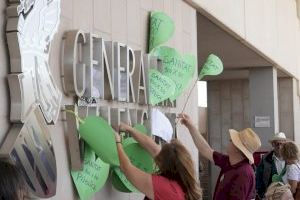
point(145, 141)
point(204, 149)
point(141, 180)
point(236, 180)
point(176, 178)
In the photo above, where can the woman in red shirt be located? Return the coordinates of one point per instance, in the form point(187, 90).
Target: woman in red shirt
point(176, 178)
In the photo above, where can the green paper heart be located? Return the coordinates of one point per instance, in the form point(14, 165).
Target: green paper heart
point(162, 28)
point(139, 157)
point(93, 176)
point(101, 137)
point(124, 180)
point(213, 66)
point(128, 141)
point(179, 69)
point(161, 87)
point(118, 184)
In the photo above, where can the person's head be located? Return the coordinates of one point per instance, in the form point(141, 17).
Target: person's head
point(279, 191)
point(289, 152)
point(175, 163)
point(243, 143)
point(11, 182)
point(276, 141)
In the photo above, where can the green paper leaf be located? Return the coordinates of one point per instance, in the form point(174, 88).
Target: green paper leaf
point(101, 137)
point(161, 87)
point(93, 176)
point(213, 66)
point(179, 68)
point(161, 29)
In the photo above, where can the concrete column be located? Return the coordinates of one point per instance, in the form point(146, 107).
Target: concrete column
point(285, 106)
point(263, 99)
point(227, 107)
point(296, 109)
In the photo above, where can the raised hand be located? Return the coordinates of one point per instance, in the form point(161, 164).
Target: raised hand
point(124, 127)
point(185, 119)
point(118, 137)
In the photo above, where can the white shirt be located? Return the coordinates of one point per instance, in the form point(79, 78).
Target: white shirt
point(293, 172)
point(279, 167)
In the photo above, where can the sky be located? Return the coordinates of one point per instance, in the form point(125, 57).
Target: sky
point(202, 94)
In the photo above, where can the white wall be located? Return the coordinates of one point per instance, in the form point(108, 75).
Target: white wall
point(269, 26)
point(4, 69)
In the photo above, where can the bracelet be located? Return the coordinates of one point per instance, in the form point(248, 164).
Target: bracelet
point(118, 142)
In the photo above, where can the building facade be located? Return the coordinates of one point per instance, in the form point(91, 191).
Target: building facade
point(257, 40)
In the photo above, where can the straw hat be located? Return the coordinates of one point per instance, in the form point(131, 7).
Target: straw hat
point(278, 136)
point(247, 141)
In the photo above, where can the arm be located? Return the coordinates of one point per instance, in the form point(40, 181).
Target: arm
point(145, 141)
point(204, 149)
point(141, 180)
point(293, 185)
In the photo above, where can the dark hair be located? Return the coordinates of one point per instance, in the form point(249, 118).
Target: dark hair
point(175, 163)
point(11, 182)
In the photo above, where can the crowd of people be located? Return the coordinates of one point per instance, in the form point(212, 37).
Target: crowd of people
point(276, 177)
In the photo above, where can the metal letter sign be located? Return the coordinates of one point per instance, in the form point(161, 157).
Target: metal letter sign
point(35, 98)
point(32, 32)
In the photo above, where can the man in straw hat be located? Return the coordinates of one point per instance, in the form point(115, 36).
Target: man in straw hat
point(236, 179)
point(271, 164)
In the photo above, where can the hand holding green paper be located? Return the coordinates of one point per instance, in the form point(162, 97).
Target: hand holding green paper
point(212, 66)
point(95, 172)
point(138, 156)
